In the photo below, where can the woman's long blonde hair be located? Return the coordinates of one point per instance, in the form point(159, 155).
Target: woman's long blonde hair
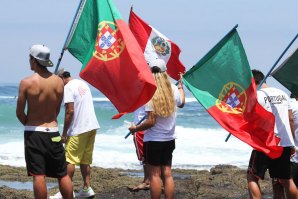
point(163, 101)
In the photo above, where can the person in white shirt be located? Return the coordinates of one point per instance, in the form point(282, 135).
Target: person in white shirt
point(138, 137)
point(276, 101)
point(294, 120)
point(79, 131)
point(159, 126)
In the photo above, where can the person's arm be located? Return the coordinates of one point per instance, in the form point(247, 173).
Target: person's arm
point(69, 111)
point(21, 103)
point(148, 123)
point(291, 119)
point(182, 94)
point(61, 99)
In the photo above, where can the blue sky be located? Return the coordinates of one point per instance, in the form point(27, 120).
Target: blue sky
point(266, 27)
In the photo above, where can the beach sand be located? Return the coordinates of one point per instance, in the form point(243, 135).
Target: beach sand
point(222, 181)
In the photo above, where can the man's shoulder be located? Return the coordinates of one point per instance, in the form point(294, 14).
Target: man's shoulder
point(29, 80)
point(273, 89)
point(81, 81)
point(55, 80)
point(77, 83)
point(281, 92)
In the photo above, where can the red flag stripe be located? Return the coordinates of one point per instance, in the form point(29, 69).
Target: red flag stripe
point(142, 32)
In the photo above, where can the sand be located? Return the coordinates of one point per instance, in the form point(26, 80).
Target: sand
point(222, 181)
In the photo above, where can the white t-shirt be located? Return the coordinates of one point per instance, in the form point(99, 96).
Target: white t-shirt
point(84, 118)
point(294, 107)
point(276, 101)
point(164, 128)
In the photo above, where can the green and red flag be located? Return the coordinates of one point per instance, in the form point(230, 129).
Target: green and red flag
point(223, 83)
point(112, 59)
point(286, 73)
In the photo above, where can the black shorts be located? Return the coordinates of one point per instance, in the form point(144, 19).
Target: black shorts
point(44, 154)
point(159, 153)
point(278, 168)
point(294, 172)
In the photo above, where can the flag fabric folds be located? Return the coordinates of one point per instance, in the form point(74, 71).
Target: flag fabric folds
point(156, 45)
point(286, 73)
point(112, 60)
point(223, 83)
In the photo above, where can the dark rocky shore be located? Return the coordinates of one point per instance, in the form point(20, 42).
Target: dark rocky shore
point(223, 181)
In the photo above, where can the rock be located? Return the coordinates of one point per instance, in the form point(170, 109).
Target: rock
point(222, 182)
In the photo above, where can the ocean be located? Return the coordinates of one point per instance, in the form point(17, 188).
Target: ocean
point(200, 143)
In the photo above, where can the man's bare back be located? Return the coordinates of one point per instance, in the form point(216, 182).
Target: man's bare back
point(43, 94)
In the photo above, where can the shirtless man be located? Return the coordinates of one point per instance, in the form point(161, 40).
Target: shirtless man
point(42, 92)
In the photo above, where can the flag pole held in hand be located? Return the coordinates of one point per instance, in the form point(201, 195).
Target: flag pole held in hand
point(136, 125)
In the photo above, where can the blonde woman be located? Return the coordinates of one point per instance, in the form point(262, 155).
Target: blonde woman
point(159, 127)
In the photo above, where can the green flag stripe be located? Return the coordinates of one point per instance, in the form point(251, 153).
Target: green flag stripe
point(286, 73)
point(84, 37)
point(225, 63)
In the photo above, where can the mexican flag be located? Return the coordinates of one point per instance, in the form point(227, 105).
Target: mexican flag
point(156, 45)
point(286, 73)
point(112, 60)
point(223, 83)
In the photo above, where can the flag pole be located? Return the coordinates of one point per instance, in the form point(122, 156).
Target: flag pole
point(131, 9)
point(136, 125)
point(274, 65)
point(70, 32)
point(290, 44)
point(228, 137)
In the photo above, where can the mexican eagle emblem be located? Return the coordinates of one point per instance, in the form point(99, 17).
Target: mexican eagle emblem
point(160, 45)
point(109, 43)
point(232, 98)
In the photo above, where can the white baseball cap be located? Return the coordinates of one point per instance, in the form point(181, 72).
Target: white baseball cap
point(42, 54)
point(160, 63)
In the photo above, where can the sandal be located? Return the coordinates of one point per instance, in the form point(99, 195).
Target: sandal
point(142, 186)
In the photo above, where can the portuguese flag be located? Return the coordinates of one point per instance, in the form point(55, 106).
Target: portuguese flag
point(112, 60)
point(223, 83)
point(155, 45)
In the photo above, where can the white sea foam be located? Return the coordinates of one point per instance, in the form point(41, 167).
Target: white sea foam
point(200, 144)
point(12, 153)
point(196, 148)
point(190, 99)
point(100, 99)
point(8, 97)
point(203, 148)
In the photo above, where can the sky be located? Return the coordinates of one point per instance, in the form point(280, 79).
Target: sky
point(265, 27)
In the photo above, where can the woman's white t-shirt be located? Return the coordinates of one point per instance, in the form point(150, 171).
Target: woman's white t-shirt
point(164, 128)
